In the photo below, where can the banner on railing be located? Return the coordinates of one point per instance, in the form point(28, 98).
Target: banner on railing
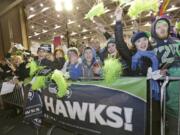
point(97, 108)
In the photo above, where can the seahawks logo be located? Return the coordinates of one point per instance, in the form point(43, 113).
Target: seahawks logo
point(69, 93)
point(30, 95)
point(52, 88)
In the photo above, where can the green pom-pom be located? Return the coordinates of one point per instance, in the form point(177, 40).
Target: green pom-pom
point(96, 10)
point(139, 6)
point(112, 70)
point(177, 25)
point(38, 82)
point(33, 68)
point(61, 83)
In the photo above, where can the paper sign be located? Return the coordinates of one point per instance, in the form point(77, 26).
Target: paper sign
point(7, 87)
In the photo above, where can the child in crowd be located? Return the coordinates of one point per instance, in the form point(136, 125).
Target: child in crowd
point(73, 67)
point(91, 66)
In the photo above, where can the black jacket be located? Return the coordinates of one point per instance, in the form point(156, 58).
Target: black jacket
point(59, 63)
point(103, 53)
point(6, 73)
point(22, 72)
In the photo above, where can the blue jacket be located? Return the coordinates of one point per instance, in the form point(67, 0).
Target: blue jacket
point(75, 71)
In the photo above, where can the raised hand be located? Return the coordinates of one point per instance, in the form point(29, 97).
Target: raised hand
point(118, 13)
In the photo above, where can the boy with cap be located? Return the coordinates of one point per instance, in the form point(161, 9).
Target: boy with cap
point(73, 67)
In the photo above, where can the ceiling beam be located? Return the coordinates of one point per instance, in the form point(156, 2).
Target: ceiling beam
point(9, 7)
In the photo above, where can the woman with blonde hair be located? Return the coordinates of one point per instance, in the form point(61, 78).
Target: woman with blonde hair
point(19, 67)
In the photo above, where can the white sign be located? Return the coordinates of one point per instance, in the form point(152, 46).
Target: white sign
point(7, 87)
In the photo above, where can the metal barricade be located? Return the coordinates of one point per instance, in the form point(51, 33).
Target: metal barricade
point(16, 97)
point(166, 80)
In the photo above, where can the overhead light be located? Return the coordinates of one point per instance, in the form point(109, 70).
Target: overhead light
point(57, 1)
point(45, 21)
point(68, 5)
point(77, 8)
point(31, 8)
point(147, 24)
point(73, 33)
point(32, 26)
point(31, 16)
point(107, 10)
point(79, 25)
point(56, 26)
point(44, 31)
point(58, 7)
point(39, 38)
point(111, 16)
point(70, 22)
point(84, 30)
point(41, 4)
point(36, 33)
point(149, 14)
point(173, 7)
point(62, 36)
point(85, 37)
point(90, 32)
point(29, 36)
point(58, 15)
point(131, 28)
point(44, 9)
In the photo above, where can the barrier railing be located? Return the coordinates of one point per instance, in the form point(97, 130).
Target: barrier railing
point(17, 98)
point(163, 121)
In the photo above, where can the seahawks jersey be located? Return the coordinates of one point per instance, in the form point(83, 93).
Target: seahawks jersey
point(166, 52)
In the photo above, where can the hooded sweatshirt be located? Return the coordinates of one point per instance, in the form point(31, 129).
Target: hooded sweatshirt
point(165, 49)
point(88, 69)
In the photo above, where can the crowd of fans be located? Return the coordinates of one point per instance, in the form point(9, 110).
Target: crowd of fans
point(160, 52)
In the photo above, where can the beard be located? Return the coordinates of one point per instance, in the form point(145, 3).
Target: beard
point(163, 35)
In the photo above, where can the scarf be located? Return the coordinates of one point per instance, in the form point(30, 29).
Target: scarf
point(136, 60)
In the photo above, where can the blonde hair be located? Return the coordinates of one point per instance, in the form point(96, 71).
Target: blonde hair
point(73, 49)
point(14, 57)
